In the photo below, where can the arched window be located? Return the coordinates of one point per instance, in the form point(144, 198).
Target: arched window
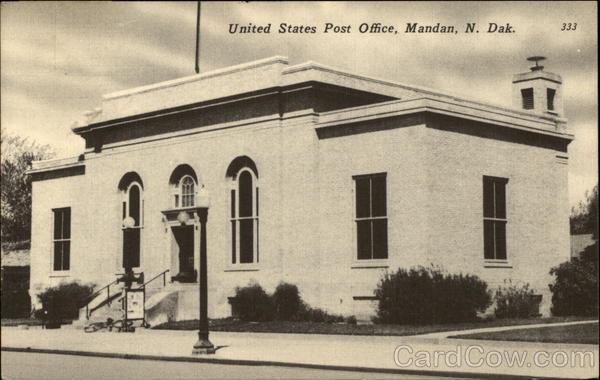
point(132, 218)
point(183, 184)
point(188, 191)
point(134, 204)
point(244, 218)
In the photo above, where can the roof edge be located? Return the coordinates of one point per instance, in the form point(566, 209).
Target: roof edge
point(436, 105)
point(197, 77)
point(311, 65)
point(55, 164)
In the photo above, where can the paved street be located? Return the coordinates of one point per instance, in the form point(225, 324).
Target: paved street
point(21, 366)
point(425, 354)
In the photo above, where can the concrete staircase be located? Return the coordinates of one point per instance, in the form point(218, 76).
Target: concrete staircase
point(160, 303)
point(162, 307)
point(99, 309)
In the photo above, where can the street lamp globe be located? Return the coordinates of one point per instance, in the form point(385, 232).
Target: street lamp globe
point(183, 217)
point(128, 222)
point(203, 198)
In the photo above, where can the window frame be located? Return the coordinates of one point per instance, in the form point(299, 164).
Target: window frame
point(235, 220)
point(495, 220)
point(550, 98)
point(125, 212)
point(528, 98)
point(180, 196)
point(141, 205)
point(370, 262)
point(68, 240)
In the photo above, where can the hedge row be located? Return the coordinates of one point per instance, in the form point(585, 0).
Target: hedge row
point(285, 304)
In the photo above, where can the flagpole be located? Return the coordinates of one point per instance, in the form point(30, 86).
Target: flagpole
point(198, 39)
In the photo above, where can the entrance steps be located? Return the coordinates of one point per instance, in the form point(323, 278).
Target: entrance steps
point(162, 307)
point(164, 302)
point(113, 310)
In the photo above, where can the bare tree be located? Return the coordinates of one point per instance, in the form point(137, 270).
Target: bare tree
point(15, 187)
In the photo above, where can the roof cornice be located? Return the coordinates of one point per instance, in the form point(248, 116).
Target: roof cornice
point(503, 117)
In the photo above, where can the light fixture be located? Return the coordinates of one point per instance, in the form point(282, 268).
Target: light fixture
point(128, 222)
point(183, 217)
point(203, 198)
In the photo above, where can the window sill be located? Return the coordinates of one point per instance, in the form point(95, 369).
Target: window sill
point(382, 263)
point(242, 268)
point(136, 270)
point(365, 298)
point(60, 274)
point(496, 264)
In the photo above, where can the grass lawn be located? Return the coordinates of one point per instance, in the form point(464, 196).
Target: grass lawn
point(349, 329)
point(20, 321)
point(584, 334)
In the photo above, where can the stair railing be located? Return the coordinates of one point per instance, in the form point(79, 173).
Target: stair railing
point(164, 277)
point(106, 287)
point(93, 296)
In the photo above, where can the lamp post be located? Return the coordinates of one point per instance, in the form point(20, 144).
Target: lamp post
point(128, 277)
point(203, 345)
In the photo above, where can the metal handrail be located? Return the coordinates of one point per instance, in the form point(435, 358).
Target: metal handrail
point(164, 276)
point(107, 287)
point(96, 294)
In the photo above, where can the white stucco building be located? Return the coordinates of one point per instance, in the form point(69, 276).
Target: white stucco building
point(317, 177)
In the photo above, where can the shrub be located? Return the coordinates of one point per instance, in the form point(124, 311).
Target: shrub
point(309, 314)
point(351, 320)
point(63, 301)
point(333, 318)
point(316, 315)
point(254, 304)
point(303, 313)
point(575, 289)
point(15, 304)
point(515, 302)
point(287, 301)
point(428, 295)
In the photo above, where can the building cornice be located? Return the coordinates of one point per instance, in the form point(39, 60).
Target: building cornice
point(418, 91)
point(56, 168)
point(470, 111)
point(56, 164)
point(170, 111)
point(270, 91)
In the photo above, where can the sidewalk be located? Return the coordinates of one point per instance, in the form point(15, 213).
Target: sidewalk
point(357, 353)
point(446, 334)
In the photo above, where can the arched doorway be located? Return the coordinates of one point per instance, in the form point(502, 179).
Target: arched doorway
point(183, 224)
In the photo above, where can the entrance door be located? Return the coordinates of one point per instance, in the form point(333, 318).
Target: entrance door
point(184, 236)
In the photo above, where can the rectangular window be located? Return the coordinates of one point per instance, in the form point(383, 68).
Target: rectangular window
point(371, 217)
point(527, 96)
point(62, 238)
point(550, 93)
point(494, 218)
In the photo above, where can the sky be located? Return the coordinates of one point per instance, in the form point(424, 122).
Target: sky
point(59, 58)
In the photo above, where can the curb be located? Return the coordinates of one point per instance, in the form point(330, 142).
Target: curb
point(269, 363)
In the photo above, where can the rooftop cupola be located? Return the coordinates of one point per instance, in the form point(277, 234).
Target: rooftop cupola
point(538, 90)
